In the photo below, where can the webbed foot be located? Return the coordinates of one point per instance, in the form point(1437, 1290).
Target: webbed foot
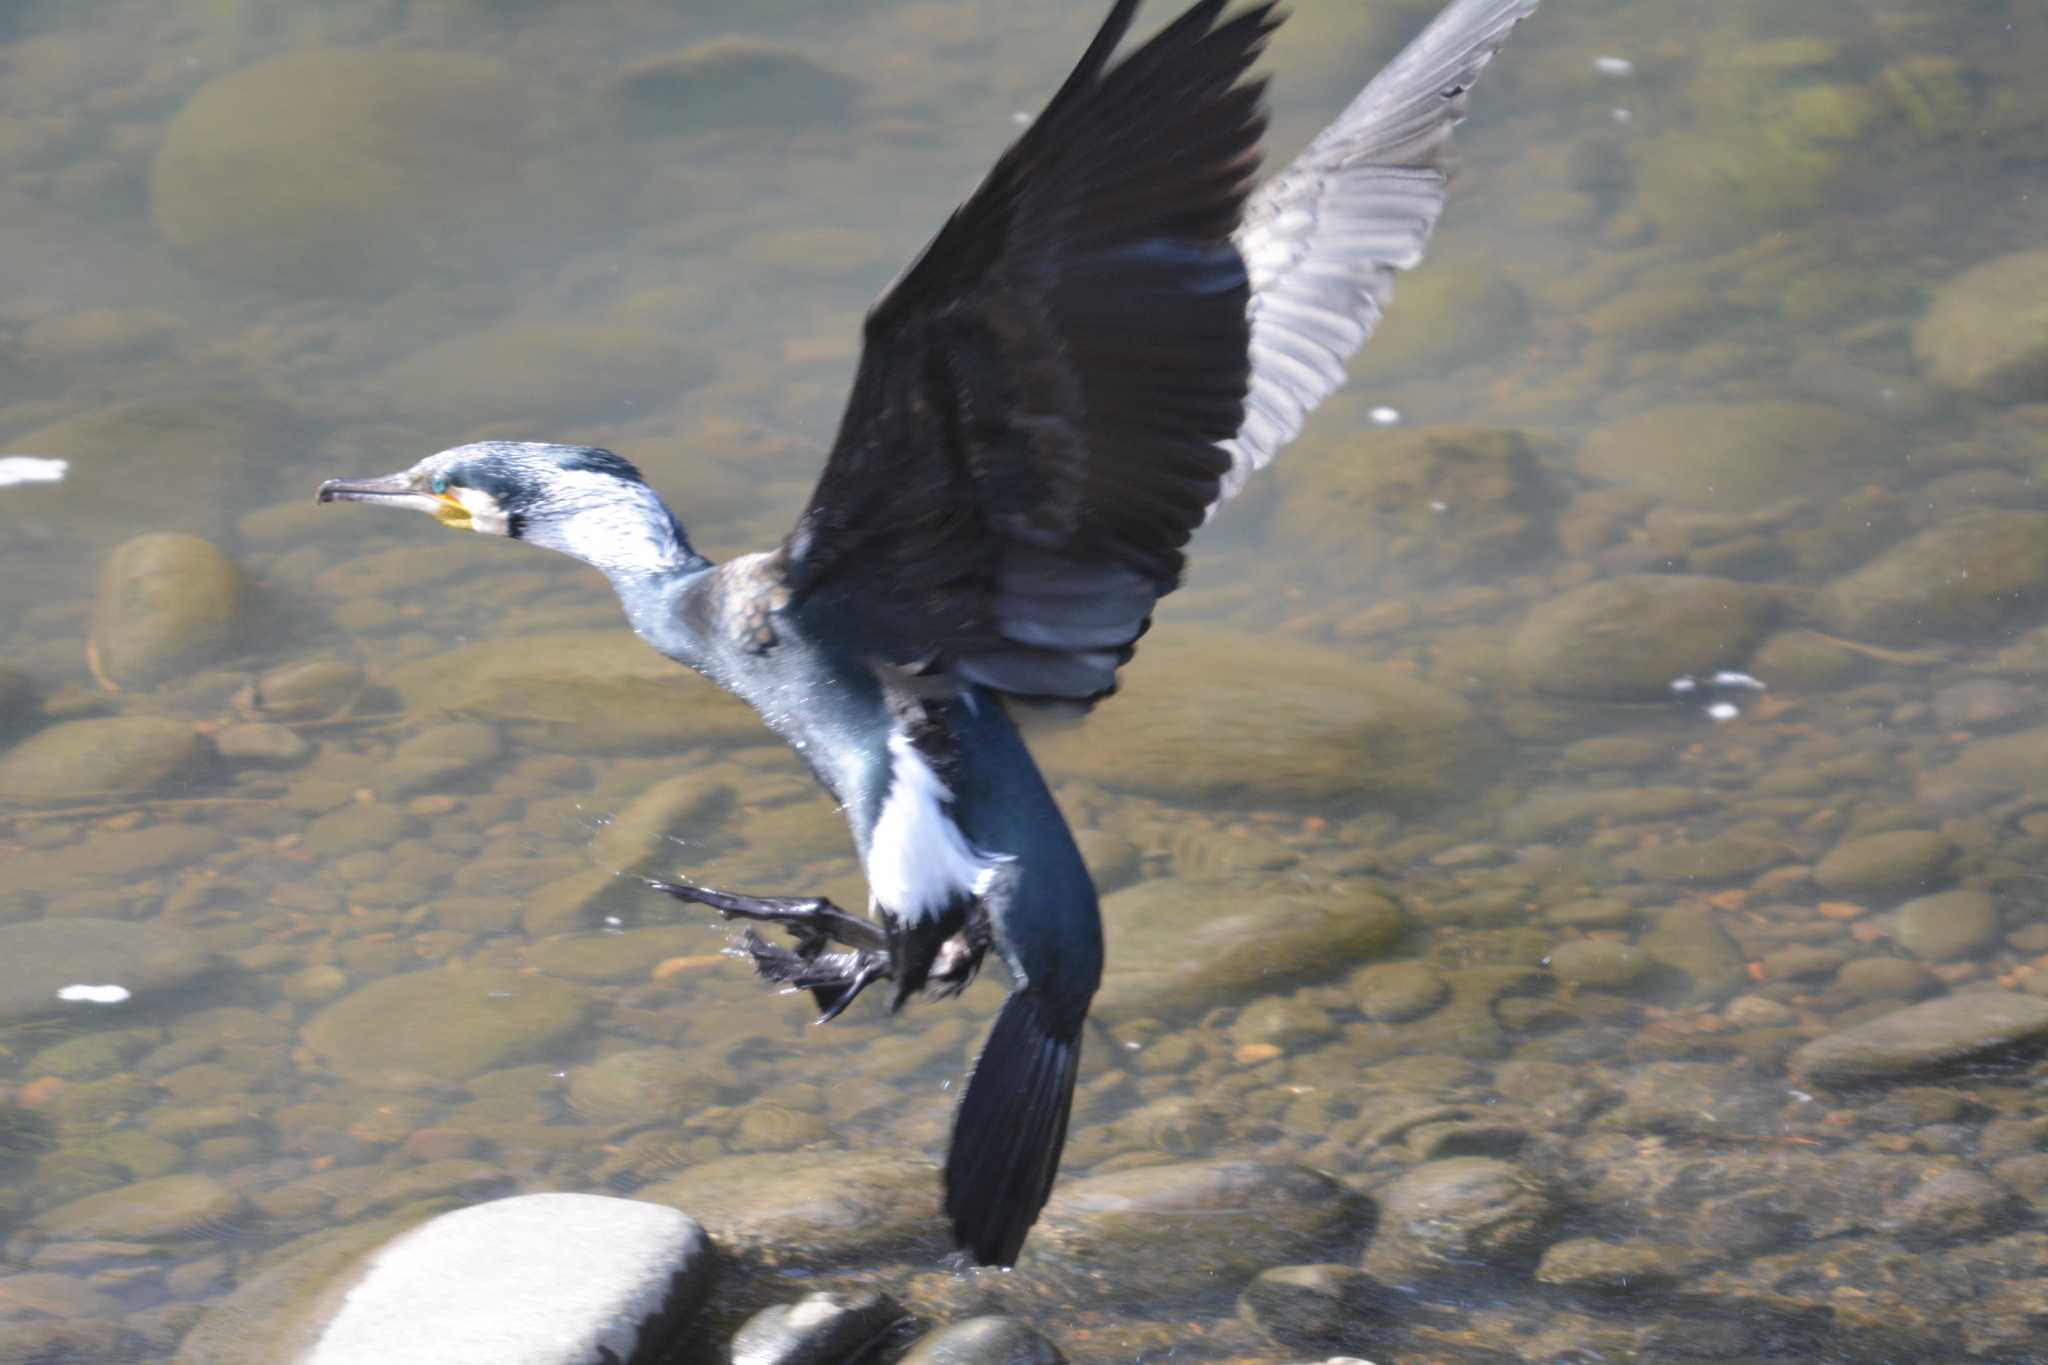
point(833, 979)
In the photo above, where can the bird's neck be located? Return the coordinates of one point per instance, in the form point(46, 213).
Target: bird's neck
point(655, 604)
point(641, 548)
point(627, 537)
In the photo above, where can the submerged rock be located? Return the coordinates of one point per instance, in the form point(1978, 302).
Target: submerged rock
point(1986, 331)
point(1599, 964)
point(538, 1279)
point(1297, 726)
point(1395, 992)
point(1898, 860)
point(344, 172)
point(1947, 926)
point(1185, 945)
point(727, 83)
point(40, 959)
point(174, 464)
point(1312, 1307)
point(437, 757)
point(985, 1341)
point(651, 831)
point(1773, 127)
point(1418, 506)
point(818, 1209)
point(111, 857)
point(167, 602)
point(18, 703)
point(1736, 457)
point(1191, 1227)
point(1692, 943)
point(1449, 314)
point(312, 689)
point(1627, 638)
point(1616, 1267)
point(1950, 1205)
point(1988, 769)
point(1968, 575)
point(560, 369)
point(647, 1085)
point(107, 756)
point(1919, 1038)
point(167, 1207)
point(448, 1025)
point(581, 691)
point(1445, 1216)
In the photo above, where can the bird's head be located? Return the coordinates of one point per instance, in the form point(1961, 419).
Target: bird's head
point(579, 500)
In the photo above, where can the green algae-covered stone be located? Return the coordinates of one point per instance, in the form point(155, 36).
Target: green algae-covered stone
point(447, 1025)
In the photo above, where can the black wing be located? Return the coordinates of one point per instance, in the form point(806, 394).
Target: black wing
point(1033, 432)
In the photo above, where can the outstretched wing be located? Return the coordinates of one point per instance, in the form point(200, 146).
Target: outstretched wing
point(1324, 238)
point(1036, 426)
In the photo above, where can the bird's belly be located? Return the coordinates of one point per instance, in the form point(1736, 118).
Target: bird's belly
point(920, 863)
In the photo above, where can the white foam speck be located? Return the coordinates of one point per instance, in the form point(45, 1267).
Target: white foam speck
point(1613, 66)
point(31, 469)
point(1385, 416)
point(1724, 710)
point(1728, 677)
point(94, 995)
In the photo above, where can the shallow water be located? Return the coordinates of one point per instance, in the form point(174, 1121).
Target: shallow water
point(1691, 330)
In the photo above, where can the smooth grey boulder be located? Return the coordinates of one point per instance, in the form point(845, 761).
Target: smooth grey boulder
point(1924, 1037)
point(538, 1279)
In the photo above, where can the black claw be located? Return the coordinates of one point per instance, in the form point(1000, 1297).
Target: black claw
point(833, 979)
point(806, 917)
point(866, 968)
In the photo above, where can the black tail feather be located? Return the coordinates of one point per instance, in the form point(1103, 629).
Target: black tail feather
point(1010, 1129)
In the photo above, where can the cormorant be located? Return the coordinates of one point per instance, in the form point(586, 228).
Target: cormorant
point(1095, 350)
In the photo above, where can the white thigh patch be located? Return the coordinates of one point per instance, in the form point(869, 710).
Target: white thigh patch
point(918, 861)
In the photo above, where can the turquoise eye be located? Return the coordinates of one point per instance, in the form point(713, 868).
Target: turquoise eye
point(440, 484)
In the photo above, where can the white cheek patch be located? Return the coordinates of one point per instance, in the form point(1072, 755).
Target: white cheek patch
point(918, 860)
point(484, 512)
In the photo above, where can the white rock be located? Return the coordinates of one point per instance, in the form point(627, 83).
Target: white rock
point(538, 1279)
